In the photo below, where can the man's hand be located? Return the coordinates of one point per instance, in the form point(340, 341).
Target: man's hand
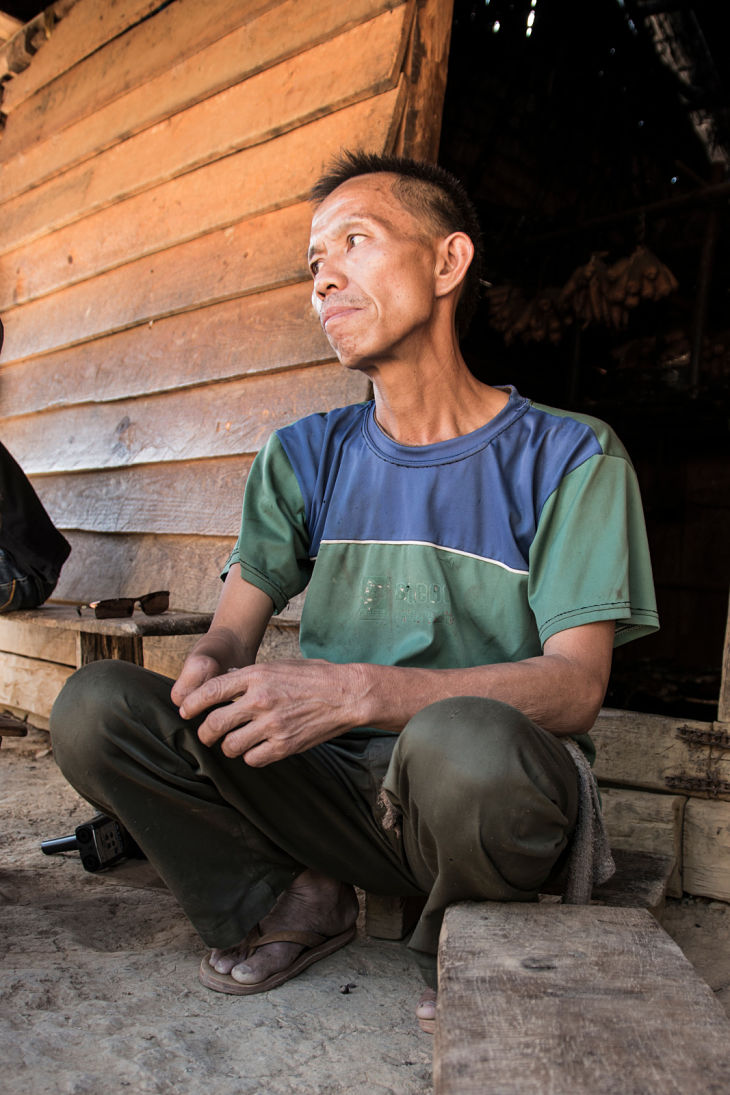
point(269, 711)
point(198, 669)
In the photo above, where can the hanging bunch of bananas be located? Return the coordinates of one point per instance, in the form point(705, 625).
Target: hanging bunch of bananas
point(538, 320)
point(641, 276)
point(506, 303)
point(595, 293)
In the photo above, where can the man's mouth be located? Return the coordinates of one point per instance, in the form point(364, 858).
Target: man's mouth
point(341, 311)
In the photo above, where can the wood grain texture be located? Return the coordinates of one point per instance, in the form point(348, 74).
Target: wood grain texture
point(706, 869)
point(653, 751)
point(225, 419)
point(103, 76)
point(273, 330)
point(30, 686)
point(640, 821)
point(265, 251)
point(723, 707)
point(167, 655)
point(196, 497)
point(162, 78)
point(359, 64)
point(117, 566)
point(32, 641)
point(223, 195)
point(121, 566)
point(564, 1000)
point(425, 71)
point(86, 27)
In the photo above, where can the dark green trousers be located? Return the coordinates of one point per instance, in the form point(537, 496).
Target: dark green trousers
point(480, 803)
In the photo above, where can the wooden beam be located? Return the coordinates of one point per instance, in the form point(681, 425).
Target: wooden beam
point(426, 70)
point(723, 706)
point(9, 26)
point(30, 686)
point(661, 753)
point(542, 999)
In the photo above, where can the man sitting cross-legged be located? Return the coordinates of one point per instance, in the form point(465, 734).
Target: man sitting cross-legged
point(471, 559)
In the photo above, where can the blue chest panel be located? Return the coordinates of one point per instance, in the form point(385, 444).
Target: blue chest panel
point(480, 494)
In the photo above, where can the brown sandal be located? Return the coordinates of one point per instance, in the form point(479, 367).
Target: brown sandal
point(316, 946)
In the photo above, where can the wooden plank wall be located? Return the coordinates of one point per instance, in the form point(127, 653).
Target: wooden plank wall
point(154, 172)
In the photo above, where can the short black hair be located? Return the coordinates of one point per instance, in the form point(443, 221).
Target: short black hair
point(432, 194)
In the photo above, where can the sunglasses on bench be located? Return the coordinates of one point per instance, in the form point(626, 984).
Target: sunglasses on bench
point(152, 604)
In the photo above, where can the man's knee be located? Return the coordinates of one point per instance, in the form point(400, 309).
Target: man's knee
point(473, 733)
point(472, 748)
point(89, 711)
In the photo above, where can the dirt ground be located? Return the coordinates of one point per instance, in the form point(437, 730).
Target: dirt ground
point(99, 989)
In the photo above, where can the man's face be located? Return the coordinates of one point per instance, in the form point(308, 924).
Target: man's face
point(373, 265)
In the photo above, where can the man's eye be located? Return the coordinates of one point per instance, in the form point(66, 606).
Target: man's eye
point(354, 238)
point(314, 267)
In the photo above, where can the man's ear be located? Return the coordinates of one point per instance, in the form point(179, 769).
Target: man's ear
point(453, 258)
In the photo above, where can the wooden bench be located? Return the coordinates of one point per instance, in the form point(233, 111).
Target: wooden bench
point(116, 638)
point(546, 999)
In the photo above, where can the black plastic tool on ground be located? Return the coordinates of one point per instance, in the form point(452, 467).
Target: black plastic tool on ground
point(101, 842)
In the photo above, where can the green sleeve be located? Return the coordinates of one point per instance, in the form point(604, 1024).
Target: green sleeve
point(272, 549)
point(589, 560)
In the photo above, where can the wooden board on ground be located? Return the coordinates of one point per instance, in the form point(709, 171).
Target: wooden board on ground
point(565, 999)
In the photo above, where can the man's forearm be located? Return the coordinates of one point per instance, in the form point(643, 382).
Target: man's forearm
point(557, 690)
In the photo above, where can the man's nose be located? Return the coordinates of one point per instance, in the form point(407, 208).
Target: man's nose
point(329, 277)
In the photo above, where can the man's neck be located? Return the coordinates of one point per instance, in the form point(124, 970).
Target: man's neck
point(432, 402)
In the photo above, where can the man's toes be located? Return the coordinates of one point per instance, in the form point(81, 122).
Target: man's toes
point(427, 1005)
point(223, 961)
point(246, 975)
point(270, 959)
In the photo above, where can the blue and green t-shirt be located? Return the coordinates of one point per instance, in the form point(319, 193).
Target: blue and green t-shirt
point(467, 552)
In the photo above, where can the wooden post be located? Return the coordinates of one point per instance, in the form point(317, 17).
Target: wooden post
point(723, 704)
point(93, 647)
point(425, 69)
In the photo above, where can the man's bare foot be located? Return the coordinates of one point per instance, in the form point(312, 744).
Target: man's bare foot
point(313, 902)
point(426, 1011)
